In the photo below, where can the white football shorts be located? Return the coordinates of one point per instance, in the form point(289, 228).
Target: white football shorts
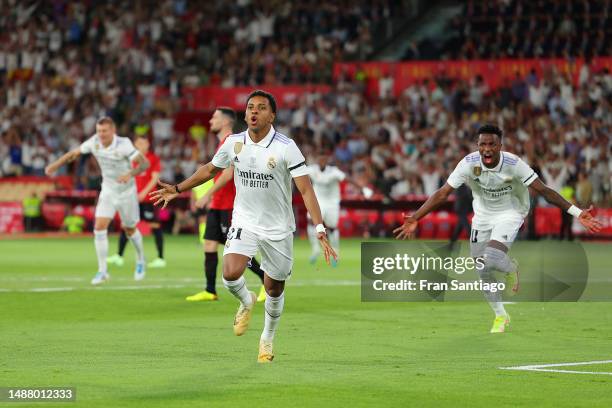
point(276, 256)
point(125, 203)
point(504, 230)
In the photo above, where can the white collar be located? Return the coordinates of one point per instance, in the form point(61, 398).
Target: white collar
point(111, 145)
point(265, 142)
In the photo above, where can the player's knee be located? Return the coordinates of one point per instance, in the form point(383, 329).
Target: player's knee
point(274, 291)
point(274, 288)
point(232, 270)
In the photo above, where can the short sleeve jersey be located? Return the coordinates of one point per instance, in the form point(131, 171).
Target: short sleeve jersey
point(262, 175)
point(498, 190)
point(114, 161)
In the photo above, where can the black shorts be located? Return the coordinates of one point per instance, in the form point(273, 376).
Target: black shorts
point(217, 224)
point(200, 212)
point(147, 212)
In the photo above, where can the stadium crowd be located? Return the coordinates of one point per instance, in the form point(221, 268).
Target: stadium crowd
point(77, 61)
point(523, 29)
point(65, 63)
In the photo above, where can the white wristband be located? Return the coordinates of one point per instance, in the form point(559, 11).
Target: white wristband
point(320, 228)
point(575, 211)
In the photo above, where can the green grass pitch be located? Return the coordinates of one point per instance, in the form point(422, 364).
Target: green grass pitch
point(140, 344)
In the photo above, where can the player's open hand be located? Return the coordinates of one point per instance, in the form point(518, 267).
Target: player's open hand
point(407, 229)
point(328, 251)
point(588, 221)
point(124, 178)
point(164, 195)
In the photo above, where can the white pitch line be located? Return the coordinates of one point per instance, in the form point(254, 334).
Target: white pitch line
point(546, 367)
point(314, 282)
point(169, 286)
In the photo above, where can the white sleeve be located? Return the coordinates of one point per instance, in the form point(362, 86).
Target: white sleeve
point(128, 149)
point(339, 174)
point(221, 159)
point(459, 175)
point(87, 146)
point(524, 173)
point(296, 163)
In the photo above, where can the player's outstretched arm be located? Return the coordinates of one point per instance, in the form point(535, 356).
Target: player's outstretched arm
point(433, 202)
point(312, 205)
point(66, 158)
point(168, 192)
point(226, 176)
point(585, 217)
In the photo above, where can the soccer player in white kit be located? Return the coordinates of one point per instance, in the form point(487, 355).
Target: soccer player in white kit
point(499, 181)
point(115, 155)
point(265, 161)
point(326, 179)
point(326, 182)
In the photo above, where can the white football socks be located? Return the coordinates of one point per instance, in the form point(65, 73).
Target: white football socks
point(334, 239)
point(101, 243)
point(136, 239)
point(314, 242)
point(239, 289)
point(274, 309)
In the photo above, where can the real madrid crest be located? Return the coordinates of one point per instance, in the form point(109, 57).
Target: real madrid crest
point(271, 163)
point(238, 147)
point(477, 171)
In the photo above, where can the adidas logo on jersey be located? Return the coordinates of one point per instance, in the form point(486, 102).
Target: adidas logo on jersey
point(236, 159)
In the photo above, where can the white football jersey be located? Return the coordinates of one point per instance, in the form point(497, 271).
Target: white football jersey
point(114, 160)
point(499, 190)
point(262, 175)
point(326, 184)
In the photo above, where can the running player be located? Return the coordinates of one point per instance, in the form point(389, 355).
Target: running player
point(144, 185)
point(115, 155)
point(264, 162)
point(326, 179)
point(499, 181)
point(220, 201)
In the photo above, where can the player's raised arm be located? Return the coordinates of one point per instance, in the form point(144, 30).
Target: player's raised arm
point(169, 192)
point(433, 202)
point(585, 217)
point(312, 205)
point(66, 158)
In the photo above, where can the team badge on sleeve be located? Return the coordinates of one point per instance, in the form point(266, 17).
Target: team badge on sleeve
point(477, 171)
